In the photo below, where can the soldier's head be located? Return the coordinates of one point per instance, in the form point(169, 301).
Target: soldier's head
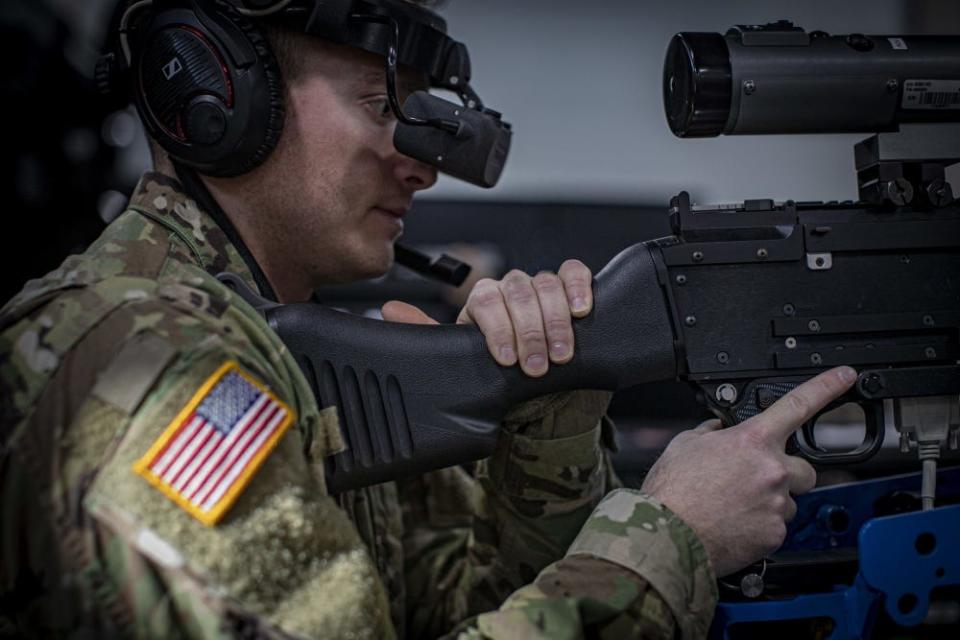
point(283, 107)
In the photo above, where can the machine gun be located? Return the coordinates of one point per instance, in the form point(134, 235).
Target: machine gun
point(858, 549)
point(744, 302)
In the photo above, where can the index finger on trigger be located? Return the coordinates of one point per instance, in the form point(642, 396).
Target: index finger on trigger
point(801, 404)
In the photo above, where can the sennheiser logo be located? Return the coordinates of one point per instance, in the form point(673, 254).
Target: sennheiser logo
point(172, 68)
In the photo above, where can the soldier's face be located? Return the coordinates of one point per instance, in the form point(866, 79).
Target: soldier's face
point(344, 187)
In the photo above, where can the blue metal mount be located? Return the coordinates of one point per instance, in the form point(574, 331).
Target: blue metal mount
point(901, 558)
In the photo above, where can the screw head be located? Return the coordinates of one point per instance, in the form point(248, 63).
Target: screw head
point(697, 256)
point(690, 321)
point(751, 585)
point(762, 254)
point(928, 321)
point(726, 393)
point(749, 86)
point(790, 343)
point(939, 193)
point(723, 357)
point(681, 279)
point(859, 42)
point(892, 86)
point(930, 353)
point(814, 325)
point(899, 191)
point(788, 309)
point(816, 358)
point(872, 383)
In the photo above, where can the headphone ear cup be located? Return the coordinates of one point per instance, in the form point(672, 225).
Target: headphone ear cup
point(209, 89)
point(273, 109)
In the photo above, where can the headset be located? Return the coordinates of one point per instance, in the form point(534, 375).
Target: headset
point(209, 90)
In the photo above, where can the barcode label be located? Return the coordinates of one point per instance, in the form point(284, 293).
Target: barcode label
point(942, 99)
point(931, 94)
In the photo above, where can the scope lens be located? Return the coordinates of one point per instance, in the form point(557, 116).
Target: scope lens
point(697, 84)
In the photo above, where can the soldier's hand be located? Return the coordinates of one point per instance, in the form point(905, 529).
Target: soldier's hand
point(734, 486)
point(523, 319)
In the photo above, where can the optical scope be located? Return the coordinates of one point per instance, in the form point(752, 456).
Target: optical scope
point(777, 78)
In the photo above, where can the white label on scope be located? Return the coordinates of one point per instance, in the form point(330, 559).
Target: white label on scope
point(931, 94)
point(898, 44)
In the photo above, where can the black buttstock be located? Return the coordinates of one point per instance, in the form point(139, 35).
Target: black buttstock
point(415, 398)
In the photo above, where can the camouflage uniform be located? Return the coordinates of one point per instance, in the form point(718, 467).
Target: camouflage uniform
point(100, 356)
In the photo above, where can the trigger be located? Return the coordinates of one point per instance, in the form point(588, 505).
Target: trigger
point(810, 437)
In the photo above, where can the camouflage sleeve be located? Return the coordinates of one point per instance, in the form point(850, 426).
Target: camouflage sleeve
point(265, 568)
point(471, 542)
point(135, 553)
point(635, 571)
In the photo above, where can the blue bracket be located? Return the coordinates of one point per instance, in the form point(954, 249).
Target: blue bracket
point(853, 611)
point(821, 512)
point(902, 558)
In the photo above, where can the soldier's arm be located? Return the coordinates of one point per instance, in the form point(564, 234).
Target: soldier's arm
point(249, 547)
point(470, 542)
point(635, 571)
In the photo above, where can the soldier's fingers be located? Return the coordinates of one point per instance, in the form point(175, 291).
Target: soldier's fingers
point(485, 308)
point(524, 309)
point(556, 316)
point(396, 311)
point(790, 509)
point(788, 413)
point(578, 284)
point(801, 476)
point(708, 426)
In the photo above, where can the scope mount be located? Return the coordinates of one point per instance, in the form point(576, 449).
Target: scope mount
point(908, 166)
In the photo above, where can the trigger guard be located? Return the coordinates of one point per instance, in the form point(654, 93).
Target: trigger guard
point(810, 437)
point(874, 425)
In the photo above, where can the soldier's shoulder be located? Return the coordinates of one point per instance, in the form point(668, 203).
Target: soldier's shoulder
point(69, 301)
point(73, 314)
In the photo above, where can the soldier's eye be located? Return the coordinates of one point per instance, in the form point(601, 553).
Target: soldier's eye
point(381, 108)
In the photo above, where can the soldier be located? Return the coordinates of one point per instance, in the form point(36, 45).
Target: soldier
point(163, 454)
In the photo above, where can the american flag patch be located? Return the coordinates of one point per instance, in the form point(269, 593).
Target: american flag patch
point(212, 449)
